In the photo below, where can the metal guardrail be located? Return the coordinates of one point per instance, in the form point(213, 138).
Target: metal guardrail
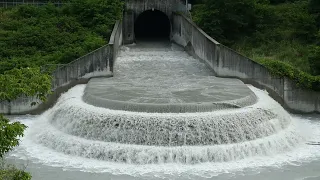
point(6, 4)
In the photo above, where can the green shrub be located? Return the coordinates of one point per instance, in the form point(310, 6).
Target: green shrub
point(25, 81)
point(10, 133)
point(302, 79)
point(294, 53)
point(33, 36)
point(226, 20)
point(14, 175)
point(314, 60)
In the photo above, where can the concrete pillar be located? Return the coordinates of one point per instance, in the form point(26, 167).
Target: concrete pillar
point(128, 27)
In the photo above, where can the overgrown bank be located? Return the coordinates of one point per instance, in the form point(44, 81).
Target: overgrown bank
point(282, 35)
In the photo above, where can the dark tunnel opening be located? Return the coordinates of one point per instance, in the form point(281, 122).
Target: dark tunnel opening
point(152, 25)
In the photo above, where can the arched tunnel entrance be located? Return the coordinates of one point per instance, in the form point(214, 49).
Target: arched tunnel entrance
point(152, 25)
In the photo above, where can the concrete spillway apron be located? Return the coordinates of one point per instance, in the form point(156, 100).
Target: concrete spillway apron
point(165, 79)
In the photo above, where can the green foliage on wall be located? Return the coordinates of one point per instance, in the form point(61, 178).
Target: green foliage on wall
point(301, 79)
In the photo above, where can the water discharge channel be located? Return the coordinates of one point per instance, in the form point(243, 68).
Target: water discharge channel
point(165, 116)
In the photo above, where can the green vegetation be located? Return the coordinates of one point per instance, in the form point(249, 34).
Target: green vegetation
point(24, 82)
point(33, 36)
point(13, 84)
point(282, 35)
point(302, 79)
point(10, 133)
point(12, 173)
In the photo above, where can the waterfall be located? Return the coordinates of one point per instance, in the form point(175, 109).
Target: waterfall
point(164, 106)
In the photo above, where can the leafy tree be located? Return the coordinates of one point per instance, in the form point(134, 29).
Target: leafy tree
point(24, 82)
point(314, 60)
point(292, 22)
point(10, 133)
point(282, 1)
point(314, 8)
point(13, 84)
point(269, 29)
point(227, 20)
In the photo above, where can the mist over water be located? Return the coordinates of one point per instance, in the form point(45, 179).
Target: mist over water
point(223, 141)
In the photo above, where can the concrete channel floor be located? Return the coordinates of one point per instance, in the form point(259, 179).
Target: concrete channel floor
point(161, 77)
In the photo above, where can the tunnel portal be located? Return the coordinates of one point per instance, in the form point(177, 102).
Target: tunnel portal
point(152, 24)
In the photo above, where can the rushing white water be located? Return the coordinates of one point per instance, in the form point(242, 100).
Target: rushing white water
point(88, 136)
point(36, 152)
point(76, 128)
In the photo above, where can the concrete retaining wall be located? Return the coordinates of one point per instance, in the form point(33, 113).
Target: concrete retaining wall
point(22, 104)
point(96, 63)
point(139, 6)
point(225, 62)
point(115, 43)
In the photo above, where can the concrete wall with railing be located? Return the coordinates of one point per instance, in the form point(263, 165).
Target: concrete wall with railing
point(225, 62)
point(92, 64)
point(96, 63)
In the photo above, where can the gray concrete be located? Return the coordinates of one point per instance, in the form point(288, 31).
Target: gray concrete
point(205, 94)
point(96, 61)
point(225, 62)
point(139, 6)
point(158, 77)
point(22, 104)
point(116, 40)
point(135, 7)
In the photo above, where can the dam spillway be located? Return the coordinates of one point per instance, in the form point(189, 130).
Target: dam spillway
point(164, 106)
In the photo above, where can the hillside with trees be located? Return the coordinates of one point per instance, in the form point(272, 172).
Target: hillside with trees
point(34, 36)
point(281, 34)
